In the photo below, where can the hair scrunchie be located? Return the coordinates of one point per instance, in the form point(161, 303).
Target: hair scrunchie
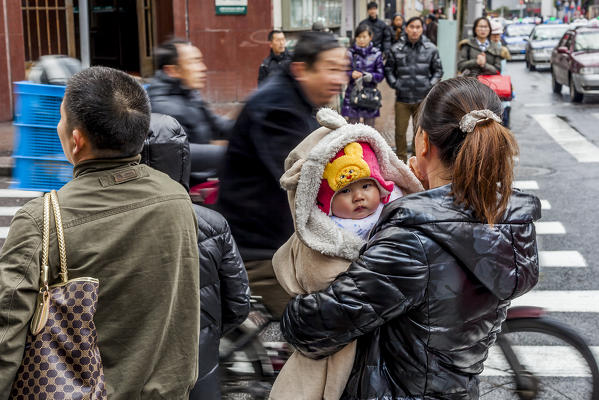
point(469, 121)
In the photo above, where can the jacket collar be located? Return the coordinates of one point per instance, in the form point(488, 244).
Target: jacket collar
point(279, 57)
point(167, 85)
point(103, 164)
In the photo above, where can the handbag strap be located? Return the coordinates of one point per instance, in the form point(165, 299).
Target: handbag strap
point(51, 201)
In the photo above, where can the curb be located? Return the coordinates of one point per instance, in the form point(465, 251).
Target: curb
point(6, 164)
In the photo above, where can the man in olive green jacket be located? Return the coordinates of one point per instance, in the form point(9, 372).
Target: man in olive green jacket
point(126, 224)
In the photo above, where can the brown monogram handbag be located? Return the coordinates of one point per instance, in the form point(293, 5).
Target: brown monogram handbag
point(61, 358)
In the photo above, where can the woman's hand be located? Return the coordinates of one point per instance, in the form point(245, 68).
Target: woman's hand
point(356, 74)
point(481, 59)
point(413, 164)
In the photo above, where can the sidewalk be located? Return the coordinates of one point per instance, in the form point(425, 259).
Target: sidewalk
point(6, 145)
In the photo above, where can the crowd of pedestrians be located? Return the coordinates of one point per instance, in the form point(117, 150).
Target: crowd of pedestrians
point(348, 241)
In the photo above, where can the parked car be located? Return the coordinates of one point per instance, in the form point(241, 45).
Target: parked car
point(575, 62)
point(515, 37)
point(541, 42)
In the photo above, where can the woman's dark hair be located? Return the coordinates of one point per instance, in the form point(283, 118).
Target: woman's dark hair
point(111, 108)
point(362, 28)
point(478, 21)
point(482, 161)
point(311, 44)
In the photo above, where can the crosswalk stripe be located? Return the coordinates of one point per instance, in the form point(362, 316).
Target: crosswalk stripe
point(570, 140)
point(3, 232)
point(563, 258)
point(545, 205)
point(526, 185)
point(550, 228)
point(19, 193)
point(561, 300)
point(558, 361)
point(8, 211)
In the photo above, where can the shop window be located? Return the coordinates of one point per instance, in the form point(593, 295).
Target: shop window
point(301, 14)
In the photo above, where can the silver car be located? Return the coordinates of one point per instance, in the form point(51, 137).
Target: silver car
point(541, 42)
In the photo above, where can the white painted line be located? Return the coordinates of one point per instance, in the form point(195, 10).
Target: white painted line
point(3, 232)
point(19, 193)
point(561, 300)
point(561, 259)
point(545, 105)
point(570, 140)
point(550, 228)
point(545, 205)
point(559, 361)
point(8, 211)
point(526, 185)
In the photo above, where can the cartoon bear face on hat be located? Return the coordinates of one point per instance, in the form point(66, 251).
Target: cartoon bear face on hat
point(347, 168)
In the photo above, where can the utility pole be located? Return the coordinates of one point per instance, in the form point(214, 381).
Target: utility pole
point(84, 33)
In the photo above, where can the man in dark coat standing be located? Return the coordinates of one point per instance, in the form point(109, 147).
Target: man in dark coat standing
point(381, 32)
point(175, 91)
point(431, 28)
point(275, 119)
point(413, 67)
point(278, 58)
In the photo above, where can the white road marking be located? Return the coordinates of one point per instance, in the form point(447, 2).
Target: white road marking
point(570, 140)
point(19, 193)
point(550, 228)
point(561, 300)
point(596, 115)
point(3, 232)
point(562, 258)
point(526, 185)
point(8, 211)
point(545, 205)
point(560, 361)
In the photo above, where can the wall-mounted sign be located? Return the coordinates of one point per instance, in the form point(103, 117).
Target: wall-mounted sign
point(231, 7)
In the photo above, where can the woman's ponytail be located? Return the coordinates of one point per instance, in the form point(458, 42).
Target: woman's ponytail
point(483, 170)
point(461, 118)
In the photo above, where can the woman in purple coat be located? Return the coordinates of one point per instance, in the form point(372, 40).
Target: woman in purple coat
point(366, 63)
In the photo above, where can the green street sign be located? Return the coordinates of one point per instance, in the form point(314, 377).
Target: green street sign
point(231, 7)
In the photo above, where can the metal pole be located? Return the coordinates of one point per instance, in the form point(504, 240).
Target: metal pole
point(84, 33)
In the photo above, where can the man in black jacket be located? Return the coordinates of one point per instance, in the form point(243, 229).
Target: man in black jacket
point(175, 91)
point(412, 68)
point(279, 115)
point(381, 32)
point(278, 58)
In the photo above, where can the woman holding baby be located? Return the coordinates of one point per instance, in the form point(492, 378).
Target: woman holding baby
point(427, 294)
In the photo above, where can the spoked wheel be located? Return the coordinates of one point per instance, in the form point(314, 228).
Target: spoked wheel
point(537, 358)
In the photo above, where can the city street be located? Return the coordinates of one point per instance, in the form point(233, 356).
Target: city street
point(559, 162)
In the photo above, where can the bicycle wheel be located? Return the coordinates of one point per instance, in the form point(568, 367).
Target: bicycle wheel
point(557, 362)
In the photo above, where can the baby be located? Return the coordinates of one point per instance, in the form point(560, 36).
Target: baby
point(337, 180)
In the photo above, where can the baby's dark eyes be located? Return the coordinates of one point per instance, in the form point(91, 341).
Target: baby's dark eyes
point(366, 185)
point(346, 190)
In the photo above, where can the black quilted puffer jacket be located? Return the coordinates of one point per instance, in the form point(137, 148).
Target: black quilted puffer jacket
point(412, 69)
point(425, 299)
point(224, 296)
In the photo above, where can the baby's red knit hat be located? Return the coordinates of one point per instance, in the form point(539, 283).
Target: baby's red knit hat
point(355, 162)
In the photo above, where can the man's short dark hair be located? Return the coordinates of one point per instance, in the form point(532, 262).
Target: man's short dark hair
point(111, 109)
point(272, 33)
point(372, 4)
point(166, 53)
point(415, 19)
point(311, 44)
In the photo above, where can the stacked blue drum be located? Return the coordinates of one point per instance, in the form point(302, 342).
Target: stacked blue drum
point(39, 162)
